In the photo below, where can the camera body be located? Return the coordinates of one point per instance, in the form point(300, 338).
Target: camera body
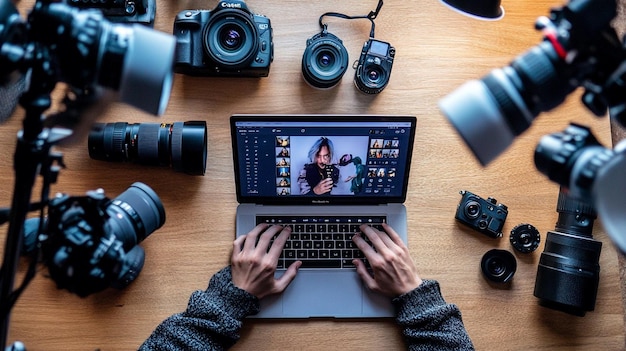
point(92, 242)
point(373, 69)
point(229, 40)
point(486, 216)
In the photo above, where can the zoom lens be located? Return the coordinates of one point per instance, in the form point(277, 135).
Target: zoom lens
point(181, 145)
point(231, 38)
point(135, 214)
point(489, 113)
point(569, 272)
point(499, 266)
point(325, 60)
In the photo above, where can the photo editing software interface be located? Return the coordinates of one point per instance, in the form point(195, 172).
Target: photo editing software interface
point(292, 158)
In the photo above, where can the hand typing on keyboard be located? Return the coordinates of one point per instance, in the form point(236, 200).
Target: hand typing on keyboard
point(253, 264)
point(392, 271)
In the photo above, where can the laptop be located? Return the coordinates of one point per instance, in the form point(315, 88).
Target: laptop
point(280, 162)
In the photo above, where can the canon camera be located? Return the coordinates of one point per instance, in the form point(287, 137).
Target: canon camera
point(229, 40)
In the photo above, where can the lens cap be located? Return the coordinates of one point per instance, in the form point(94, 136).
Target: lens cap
point(498, 266)
point(525, 238)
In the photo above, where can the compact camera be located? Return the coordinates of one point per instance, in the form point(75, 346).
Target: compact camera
point(485, 216)
point(373, 69)
point(226, 41)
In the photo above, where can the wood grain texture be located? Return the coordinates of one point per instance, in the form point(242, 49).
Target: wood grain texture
point(437, 50)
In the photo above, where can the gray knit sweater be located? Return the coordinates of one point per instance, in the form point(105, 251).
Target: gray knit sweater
point(214, 318)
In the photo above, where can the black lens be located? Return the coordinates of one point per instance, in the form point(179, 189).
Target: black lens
point(371, 79)
point(135, 214)
point(472, 209)
point(181, 145)
point(498, 265)
point(231, 38)
point(324, 62)
point(373, 75)
point(506, 101)
point(569, 272)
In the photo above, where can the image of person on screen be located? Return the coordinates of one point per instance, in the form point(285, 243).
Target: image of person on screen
point(358, 177)
point(320, 174)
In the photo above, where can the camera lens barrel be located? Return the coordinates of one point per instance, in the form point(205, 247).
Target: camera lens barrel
point(325, 60)
point(136, 213)
point(181, 145)
point(507, 100)
point(568, 273)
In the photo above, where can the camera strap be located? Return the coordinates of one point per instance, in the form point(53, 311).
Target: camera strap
point(371, 16)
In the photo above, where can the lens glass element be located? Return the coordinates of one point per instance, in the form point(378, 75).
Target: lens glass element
point(324, 62)
point(231, 39)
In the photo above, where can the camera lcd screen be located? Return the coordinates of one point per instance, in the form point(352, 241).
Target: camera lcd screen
point(379, 48)
point(300, 158)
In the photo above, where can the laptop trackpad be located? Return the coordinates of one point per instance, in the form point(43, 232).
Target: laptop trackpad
point(326, 294)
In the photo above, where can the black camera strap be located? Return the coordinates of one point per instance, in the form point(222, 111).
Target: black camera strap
point(371, 16)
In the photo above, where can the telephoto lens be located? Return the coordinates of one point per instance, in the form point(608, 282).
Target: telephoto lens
point(180, 145)
point(569, 272)
point(325, 60)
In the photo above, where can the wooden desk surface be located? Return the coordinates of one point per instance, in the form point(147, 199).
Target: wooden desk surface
point(437, 50)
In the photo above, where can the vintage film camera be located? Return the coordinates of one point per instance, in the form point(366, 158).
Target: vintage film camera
point(485, 216)
point(373, 69)
point(229, 40)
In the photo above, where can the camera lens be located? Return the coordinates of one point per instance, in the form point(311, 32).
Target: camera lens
point(231, 38)
point(574, 154)
point(491, 112)
point(472, 209)
point(135, 214)
point(325, 60)
point(569, 272)
point(498, 265)
point(134, 60)
point(525, 238)
point(181, 145)
point(371, 79)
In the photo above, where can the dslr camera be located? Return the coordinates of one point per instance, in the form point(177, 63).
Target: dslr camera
point(485, 216)
point(374, 66)
point(92, 242)
point(229, 40)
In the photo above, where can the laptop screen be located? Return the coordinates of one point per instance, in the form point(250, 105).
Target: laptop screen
point(322, 159)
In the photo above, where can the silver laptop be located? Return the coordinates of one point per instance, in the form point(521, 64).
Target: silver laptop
point(323, 175)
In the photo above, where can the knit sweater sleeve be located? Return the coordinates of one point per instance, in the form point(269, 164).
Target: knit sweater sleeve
point(428, 322)
point(212, 320)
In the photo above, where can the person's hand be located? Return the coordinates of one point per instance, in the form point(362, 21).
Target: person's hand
point(253, 265)
point(323, 187)
point(393, 270)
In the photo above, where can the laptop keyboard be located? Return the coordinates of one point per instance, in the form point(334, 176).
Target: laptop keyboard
point(321, 242)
